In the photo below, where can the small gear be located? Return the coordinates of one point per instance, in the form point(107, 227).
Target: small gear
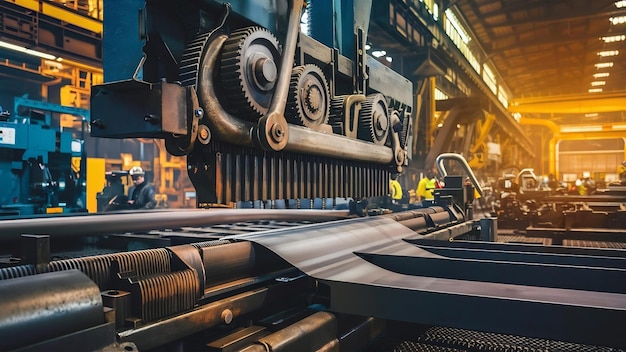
point(336, 119)
point(374, 120)
point(308, 103)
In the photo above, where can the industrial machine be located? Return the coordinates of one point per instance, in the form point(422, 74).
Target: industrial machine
point(262, 110)
point(525, 203)
point(265, 112)
point(36, 165)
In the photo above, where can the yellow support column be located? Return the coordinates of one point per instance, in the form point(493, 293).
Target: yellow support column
point(96, 181)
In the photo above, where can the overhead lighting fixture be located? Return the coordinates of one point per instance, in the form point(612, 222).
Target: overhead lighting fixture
point(620, 4)
point(368, 47)
point(601, 74)
point(595, 90)
point(598, 83)
point(614, 38)
point(618, 20)
point(389, 59)
point(379, 53)
point(608, 53)
point(604, 65)
point(574, 128)
point(595, 114)
point(27, 51)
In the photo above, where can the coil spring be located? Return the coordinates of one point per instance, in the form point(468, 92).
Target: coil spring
point(16, 271)
point(166, 294)
point(214, 243)
point(98, 268)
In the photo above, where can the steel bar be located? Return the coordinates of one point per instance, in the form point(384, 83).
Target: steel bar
point(526, 248)
point(169, 330)
point(499, 253)
point(99, 224)
point(360, 287)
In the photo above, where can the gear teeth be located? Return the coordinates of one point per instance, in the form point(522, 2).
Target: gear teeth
point(294, 111)
point(405, 130)
point(366, 129)
point(336, 117)
point(190, 62)
point(238, 97)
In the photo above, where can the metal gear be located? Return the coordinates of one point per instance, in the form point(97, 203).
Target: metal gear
point(308, 102)
point(336, 119)
point(249, 70)
point(374, 119)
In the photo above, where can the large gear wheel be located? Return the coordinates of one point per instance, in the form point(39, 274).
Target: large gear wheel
point(374, 119)
point(308, 103)
point(249, 70)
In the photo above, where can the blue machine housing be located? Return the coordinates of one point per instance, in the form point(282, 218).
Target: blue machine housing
point(36, 164)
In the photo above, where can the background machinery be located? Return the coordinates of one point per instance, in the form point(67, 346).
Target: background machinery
point(264, 112)
point(37, 168)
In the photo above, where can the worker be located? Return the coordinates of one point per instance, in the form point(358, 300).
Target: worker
point(426, 187)
point(142, 195)
point(588, 183)
point(395, 189)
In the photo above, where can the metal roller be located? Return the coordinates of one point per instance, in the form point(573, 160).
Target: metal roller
point(11, 230)
point(41, 307)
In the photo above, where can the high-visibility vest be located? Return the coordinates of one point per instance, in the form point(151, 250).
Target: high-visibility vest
point(396, 189)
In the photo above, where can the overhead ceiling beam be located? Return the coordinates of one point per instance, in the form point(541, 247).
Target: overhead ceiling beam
point(571, 104)
point(513, 41)
point(562, 17)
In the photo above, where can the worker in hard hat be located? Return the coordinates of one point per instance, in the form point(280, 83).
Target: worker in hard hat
point(142, 195)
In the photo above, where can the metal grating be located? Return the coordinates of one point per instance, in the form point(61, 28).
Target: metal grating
point(482, 341)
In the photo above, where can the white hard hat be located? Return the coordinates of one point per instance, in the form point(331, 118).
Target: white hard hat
point(136, 170)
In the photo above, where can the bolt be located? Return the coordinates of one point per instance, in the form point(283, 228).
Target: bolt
point(151, 118)
point(97, 123)
point(199, 112)
point(227, 316)
point(204, 133)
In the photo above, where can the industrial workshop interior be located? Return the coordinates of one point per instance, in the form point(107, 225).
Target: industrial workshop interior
point(313, 175)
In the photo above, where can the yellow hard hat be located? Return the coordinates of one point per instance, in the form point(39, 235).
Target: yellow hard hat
point(136, 170)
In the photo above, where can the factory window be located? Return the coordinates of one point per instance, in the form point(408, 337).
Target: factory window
point(503, 97)
point(432, 8)
point(460, 38)
point(600, 157)
point(439, 95)
point(490, 79)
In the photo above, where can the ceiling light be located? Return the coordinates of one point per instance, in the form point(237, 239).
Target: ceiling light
point(379, 53)
point(389, 59)
point(595, 90)
point(368, 47)
point(618, 20)
point(26, 50)
point(620, 4)
point(592, 128)
point(598, 83)
point(614, 38)
point(601, 74)
point(608, 53)
point(604, 65)
point(595, 114)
